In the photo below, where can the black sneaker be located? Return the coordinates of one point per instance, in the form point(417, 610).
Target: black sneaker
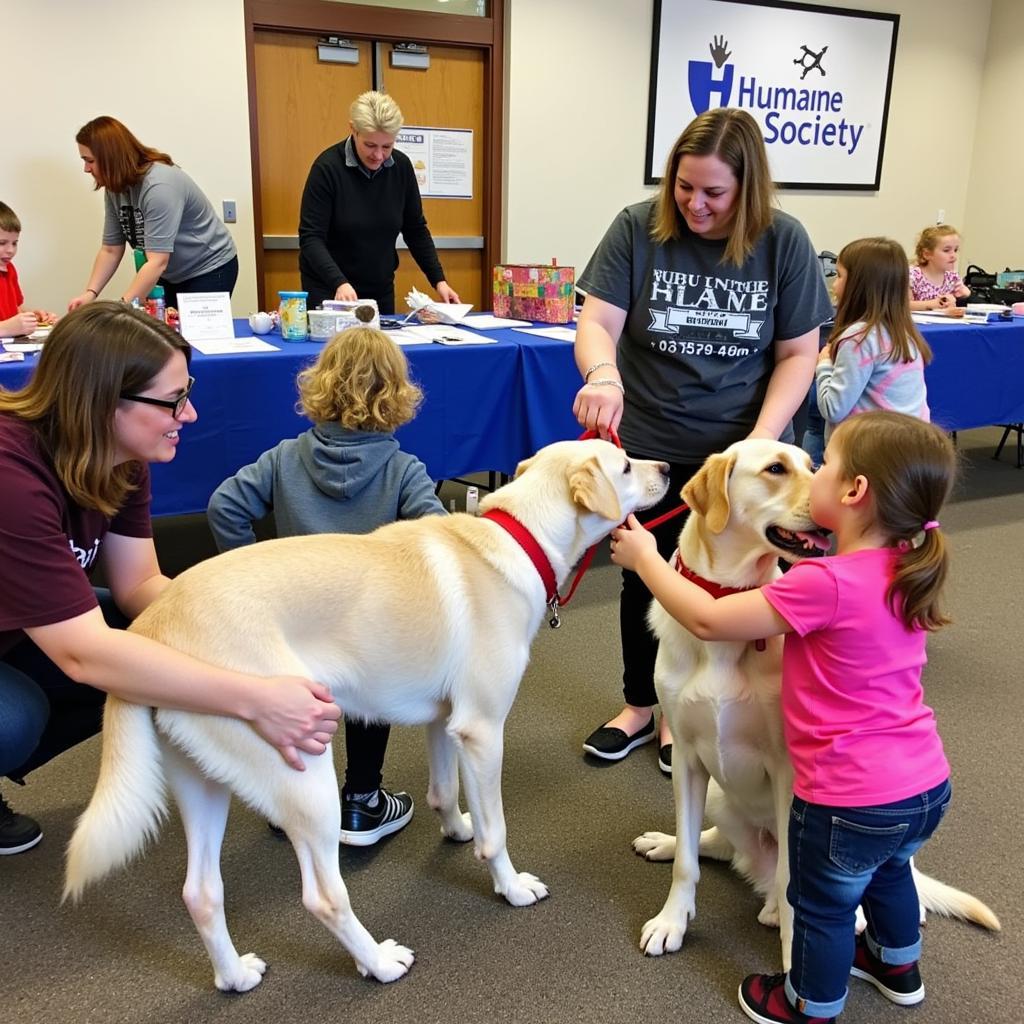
point(899, 983)
point(363, 824)
point(763, 999)
point(18, 832)
point(614, 744)
point(665, 758)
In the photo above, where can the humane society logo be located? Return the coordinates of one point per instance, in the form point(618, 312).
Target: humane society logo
point(784, 110)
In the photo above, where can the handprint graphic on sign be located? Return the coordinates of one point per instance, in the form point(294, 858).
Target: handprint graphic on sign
point(701, 77)
point(719, 53)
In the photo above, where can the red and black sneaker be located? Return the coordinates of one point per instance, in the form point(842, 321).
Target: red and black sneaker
point(763, 999)
point(899, 983)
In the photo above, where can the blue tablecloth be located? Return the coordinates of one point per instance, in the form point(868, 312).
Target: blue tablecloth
point(487, 407)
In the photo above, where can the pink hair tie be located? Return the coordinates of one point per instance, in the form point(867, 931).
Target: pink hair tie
point(932, 524)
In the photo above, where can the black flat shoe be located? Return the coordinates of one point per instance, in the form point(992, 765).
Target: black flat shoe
point(614, 744)
point(665, 758)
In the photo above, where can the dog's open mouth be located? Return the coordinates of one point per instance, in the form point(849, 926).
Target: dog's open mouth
point(805, 543)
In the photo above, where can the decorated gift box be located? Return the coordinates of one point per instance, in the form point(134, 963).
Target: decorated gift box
point(534, 291)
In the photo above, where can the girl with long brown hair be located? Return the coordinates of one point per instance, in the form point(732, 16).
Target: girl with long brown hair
point(875, 356)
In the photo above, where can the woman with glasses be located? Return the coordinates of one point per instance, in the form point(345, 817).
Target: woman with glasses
point(109, 396)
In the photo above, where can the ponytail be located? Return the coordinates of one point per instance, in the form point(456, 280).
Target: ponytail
point(920, 574)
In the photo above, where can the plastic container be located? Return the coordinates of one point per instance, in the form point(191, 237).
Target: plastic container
point(323, 324)
point(294, 319)
point(156, 306)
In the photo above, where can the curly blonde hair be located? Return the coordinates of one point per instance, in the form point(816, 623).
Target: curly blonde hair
point(361, 380)
point(930, 238)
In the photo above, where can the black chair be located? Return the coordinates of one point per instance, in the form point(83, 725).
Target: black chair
point(1009, 428)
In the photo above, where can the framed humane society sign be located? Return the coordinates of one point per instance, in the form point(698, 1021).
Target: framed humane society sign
point(817, 80)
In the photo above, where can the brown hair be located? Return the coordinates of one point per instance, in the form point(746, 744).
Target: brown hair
point(910, 467)
point(93, 356)
point(876, 292)
point(121, 160)
point(9, 219)
point(930, 238)
point(735, 138)
point(360, 380)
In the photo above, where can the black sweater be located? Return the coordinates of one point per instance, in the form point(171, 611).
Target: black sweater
point(348, 225)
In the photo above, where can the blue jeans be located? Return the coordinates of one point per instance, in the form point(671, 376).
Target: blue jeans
point(813, 440)
point(43, 712)
point(840, 857)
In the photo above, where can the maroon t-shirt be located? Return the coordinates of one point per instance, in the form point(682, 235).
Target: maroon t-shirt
point(48, 544)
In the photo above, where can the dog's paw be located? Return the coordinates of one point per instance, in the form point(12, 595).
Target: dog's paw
point(393, 961)
point(524, 890)
point(769, 915)
point(246, 974)
point(662, 934)
point(861, 922)
point(655, 846)
point(459, 829)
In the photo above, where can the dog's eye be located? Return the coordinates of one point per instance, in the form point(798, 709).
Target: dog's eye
point(629, 467)
point(776, 468)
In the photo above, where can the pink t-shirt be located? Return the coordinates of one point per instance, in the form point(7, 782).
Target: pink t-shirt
point(921, 289)
point(857, 728)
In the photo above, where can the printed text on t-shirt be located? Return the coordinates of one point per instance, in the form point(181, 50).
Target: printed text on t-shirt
point(722, 304)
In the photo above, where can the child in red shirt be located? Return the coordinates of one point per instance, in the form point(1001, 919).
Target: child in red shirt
point(13, 319)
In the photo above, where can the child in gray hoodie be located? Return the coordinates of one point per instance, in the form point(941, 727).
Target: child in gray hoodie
point(347, 474)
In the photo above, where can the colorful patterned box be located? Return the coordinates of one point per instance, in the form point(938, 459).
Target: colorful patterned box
point(534, 291)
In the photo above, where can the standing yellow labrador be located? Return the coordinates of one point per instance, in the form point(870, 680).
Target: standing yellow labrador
point(749, 506)
point(428, 620)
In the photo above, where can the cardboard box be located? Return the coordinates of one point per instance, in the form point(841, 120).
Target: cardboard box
point(535, 291)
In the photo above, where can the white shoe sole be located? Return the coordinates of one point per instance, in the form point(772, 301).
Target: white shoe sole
point(900, 998)
point(11, 850)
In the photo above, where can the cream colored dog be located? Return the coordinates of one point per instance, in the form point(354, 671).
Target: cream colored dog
point(422, 621)
point(748, 506)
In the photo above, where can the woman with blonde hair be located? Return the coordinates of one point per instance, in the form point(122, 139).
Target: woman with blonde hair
point(360, 194)
point(700, 327)
point(153, 206)
point(109, 396)
point(346, 474)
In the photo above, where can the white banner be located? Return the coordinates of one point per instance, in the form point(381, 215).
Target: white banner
point(817, 80)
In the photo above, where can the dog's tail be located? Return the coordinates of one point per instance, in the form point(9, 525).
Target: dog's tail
point(129, 802)
point(943, 899)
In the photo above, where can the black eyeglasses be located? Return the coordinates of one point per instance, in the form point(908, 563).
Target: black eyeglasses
point(176, 405)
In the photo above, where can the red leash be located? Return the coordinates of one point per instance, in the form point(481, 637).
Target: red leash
point(528, 543)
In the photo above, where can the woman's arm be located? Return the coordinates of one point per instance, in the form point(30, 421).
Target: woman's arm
point(147, 276)
point(291, 713)
point(108, 259)
point(315, 213)
point(746, 616)
point(789, 383)
point(599, 406)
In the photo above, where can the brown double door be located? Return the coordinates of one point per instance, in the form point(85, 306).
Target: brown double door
point(302, 108)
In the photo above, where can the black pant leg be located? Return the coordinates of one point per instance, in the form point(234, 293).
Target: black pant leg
point(639, 646)
point(366, 743)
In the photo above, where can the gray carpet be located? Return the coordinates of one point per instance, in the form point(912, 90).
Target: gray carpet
point(130, 953)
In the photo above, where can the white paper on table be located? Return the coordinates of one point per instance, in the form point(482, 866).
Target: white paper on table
point(12, 357)
point(445, 335)
point(205, 315)
point(935, 318)
point(22, 346)
point(488, 322)
point(405, 336)
point(227, 346)
point(555, 333)
point(445, 312)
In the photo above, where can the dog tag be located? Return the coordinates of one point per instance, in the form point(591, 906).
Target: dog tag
point(553, 620)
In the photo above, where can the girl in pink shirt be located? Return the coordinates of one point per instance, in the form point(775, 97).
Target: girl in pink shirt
point(934, 282)
point(871, 781)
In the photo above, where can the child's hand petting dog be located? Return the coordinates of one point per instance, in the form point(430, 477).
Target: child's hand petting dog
point(631, 544)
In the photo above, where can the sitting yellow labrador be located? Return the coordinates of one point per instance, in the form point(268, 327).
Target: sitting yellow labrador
point(427, 620)
point(749, 506)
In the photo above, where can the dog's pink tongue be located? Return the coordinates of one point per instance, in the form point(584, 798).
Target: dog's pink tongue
point(818, 540)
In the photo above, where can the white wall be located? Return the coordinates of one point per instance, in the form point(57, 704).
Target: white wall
point(578, 117)
point(178, 86)
point(995, 210)
point(576, 125)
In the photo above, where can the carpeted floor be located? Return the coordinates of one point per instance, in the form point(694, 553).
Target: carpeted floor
point(130, 953)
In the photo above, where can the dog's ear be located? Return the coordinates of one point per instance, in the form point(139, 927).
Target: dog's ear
point(524, 466)
point(590, 487)
point(707, 492)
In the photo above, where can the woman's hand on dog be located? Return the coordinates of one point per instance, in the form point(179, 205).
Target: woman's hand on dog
point(631, 544)
point(296, 714)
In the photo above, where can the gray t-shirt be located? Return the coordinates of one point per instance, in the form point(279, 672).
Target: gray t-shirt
point(167, 212)
point(697, 350)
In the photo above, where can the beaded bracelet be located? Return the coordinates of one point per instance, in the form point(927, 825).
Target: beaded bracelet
point(591, 369)
point(607, 380)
